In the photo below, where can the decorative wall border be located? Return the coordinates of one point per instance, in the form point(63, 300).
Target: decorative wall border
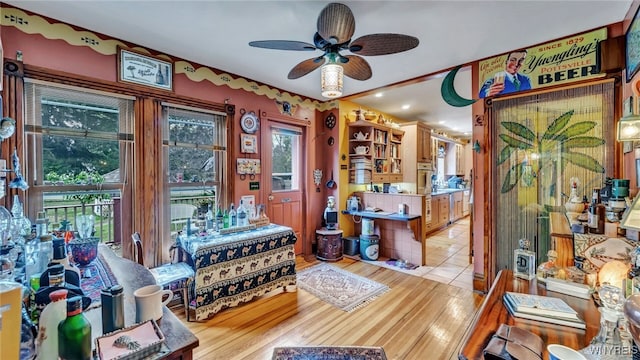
point(36, 24)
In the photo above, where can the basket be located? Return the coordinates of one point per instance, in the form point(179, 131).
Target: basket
point(147, 334)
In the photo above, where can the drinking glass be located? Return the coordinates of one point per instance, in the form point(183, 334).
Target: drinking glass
point(84, 225)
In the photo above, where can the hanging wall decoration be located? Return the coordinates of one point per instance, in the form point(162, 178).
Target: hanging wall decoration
point(286, 108)
point(136, 68)
point(248, 144)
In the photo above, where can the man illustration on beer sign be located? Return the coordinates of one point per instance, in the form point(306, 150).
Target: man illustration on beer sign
point(562, 61)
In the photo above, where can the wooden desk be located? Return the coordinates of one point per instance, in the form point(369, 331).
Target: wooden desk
point(132, 276)
point(492, 313)
point(235, 268)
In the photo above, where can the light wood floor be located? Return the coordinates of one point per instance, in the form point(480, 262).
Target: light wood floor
point(418, 318)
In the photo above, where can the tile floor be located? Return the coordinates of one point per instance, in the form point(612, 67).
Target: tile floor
point(447, 257)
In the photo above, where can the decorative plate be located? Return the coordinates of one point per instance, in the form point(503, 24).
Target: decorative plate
point(249, 122)
point(330, 121)
point(599, 249)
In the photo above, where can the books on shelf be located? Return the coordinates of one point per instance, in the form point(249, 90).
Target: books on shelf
point(542, 308)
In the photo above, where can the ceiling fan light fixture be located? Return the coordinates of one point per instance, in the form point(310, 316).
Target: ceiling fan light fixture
point(331, 80)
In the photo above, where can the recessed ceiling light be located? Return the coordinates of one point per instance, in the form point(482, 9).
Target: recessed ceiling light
point(405, 106)
point(441, 122)
point(467, 133)
point(378, 94)
point(455, 128)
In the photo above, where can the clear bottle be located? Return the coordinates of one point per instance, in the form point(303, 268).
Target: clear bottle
point(233, 217)
point(209, 219)
point(112, 308)
point(243, 220)
point(51, 316)
point(46, 252)
point(74, 333)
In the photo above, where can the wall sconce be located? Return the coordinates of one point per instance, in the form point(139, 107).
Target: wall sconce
point(331, 78)
point(476, 147)
point(629, 128)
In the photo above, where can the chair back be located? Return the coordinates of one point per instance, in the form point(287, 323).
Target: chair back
point(182, 211)
point(137, 248)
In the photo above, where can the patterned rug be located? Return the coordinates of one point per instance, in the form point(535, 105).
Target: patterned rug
point(339, 287)
point(95, 277)
point(329, 353)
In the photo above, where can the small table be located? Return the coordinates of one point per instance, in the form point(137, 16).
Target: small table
point(329, 244)
point(234, 268)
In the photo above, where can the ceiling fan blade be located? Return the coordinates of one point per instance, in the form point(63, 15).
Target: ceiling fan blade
point(306, 67)
point(283, 45)
point(356, 68)
point(336, 23)
point(383, 44)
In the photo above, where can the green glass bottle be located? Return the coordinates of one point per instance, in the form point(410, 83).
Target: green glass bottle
point(74, 333)
point(225, 219)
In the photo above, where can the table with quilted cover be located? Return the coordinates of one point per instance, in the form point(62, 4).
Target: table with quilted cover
point(235, 268)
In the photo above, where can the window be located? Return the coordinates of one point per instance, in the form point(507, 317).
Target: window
point(196, 154)
point(78, 146)
point(285, 172)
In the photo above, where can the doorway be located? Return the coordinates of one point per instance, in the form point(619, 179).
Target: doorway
point(284, 175)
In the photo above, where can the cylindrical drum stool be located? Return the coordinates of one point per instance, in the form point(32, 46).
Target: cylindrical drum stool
point(329, 244)
point(369, 247)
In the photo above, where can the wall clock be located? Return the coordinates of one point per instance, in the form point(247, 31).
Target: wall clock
point(330, 121)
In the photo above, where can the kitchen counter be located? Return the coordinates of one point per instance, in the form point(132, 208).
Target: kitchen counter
point(447, 191)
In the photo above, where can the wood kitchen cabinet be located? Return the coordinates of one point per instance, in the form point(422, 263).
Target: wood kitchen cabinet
point(439, 211)
point(456, 202)
point(416, 145)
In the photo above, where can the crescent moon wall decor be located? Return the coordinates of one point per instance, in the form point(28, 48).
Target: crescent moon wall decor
point(449, 94)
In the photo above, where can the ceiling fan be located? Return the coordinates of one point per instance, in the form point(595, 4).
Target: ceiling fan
point(336, 25)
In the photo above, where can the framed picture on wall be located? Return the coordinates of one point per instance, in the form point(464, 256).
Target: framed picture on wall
point(248, 144)
point(135, 67)
point(632, 40)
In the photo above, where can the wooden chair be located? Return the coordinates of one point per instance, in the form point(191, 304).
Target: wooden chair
point(173, 276)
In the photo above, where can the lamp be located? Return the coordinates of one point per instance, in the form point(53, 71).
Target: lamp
point(613, 272)
point(331, 78)
point(629, 128)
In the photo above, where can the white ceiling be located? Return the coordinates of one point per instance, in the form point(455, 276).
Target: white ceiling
point(451, 33)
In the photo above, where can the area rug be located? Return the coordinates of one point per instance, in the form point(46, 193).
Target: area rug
point(338, 287)
point(95, 277)
point(329, 353)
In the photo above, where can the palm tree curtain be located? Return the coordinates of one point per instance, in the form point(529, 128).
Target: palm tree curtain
point(543, 141)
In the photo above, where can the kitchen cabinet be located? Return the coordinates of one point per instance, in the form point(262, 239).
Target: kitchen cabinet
point(454, 159)
point(416, 145)
point(456, 206)
point(466, 196)
point(439, 211)
point(375, 153)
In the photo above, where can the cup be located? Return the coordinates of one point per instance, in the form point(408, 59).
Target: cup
point(498, 78)
point(149, 302)
point(561, 352)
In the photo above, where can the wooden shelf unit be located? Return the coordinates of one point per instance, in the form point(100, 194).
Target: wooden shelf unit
point(382, 160)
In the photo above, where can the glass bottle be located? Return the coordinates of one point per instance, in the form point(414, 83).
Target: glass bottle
point(242, 215)
point(51, 316)
point(225, 219)
point(219, 219)
point(60, 256)
point(209, 218)
point(56, 275)
point(233, 218)
point(74, 333)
